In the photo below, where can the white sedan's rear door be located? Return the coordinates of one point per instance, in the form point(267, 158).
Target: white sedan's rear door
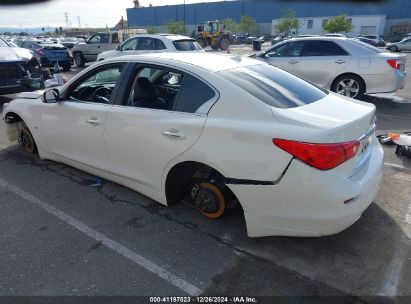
point(142, 139)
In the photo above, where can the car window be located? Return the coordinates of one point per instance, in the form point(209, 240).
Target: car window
point(186, 45)
point(154, 88)
point(95, 39)
point(288, 49)
point(273, 86)
point(323, 48)
point(368, 46)
point(97, 87)
point(114, 38)
point(130, 44)
point(149, 44)
point(100, 38)
point(193, 94)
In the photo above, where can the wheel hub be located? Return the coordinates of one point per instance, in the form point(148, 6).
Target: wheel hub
point(348, 87)
point(207, 201)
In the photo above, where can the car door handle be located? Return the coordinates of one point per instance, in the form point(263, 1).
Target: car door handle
point(93, 121)
point(340, 61)
point(173, 133)
point(293, 61)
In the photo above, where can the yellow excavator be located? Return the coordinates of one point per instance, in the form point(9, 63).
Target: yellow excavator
point(215, 35)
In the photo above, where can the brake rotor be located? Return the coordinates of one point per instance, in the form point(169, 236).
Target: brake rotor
point(210, 200)
point(27, 141)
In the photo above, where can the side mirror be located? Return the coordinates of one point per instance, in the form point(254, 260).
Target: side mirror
point(51, 96)
point(118, 48)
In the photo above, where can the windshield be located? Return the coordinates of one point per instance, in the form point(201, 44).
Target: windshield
point(273, 86)
point(3, 43)
point(187, 45)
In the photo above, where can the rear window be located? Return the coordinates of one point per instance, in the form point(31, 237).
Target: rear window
point(368, 46)
point(273, 86)
point(186, 45)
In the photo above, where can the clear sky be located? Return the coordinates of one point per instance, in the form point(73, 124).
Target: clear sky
point(93, 13)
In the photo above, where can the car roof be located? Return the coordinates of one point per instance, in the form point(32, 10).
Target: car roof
point(210, 62)
point(328, 38)
point(171, 37)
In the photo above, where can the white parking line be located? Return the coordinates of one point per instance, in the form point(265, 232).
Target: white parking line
point(396, 166)
point(408, 215)
point(395, 267)
point(120, 249)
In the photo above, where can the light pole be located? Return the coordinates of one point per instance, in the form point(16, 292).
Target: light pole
point(184, 14)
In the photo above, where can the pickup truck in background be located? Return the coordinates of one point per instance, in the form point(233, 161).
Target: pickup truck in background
point(96, 44)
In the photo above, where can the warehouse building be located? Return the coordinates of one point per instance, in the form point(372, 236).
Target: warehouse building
point(363, 25)
point(396, 14)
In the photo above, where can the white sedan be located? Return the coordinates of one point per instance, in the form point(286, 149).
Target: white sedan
point(144, 44)
point(299, 160)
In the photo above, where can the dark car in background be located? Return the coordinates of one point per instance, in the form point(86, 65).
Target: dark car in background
point(50, 53)
point(378, 40)
point(19, 70)
point(366, 40)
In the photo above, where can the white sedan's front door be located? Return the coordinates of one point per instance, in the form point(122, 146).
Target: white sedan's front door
point(74, 131)
point(74, 127)
point(158, 123)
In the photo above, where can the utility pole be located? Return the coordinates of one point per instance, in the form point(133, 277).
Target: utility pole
point(184, 14)
point(67, 21)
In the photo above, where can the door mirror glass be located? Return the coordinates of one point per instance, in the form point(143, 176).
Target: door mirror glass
point(51, 96)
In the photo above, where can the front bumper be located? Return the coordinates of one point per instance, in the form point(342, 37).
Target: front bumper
point(46, 62)
point(310, 202)
point(20, 85)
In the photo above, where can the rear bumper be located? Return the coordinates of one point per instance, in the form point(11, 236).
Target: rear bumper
point(310, 202)
point(385, 83)
point(46, 62)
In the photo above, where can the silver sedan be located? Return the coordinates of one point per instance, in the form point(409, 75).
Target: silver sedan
point(342, 65)
point(403, 45)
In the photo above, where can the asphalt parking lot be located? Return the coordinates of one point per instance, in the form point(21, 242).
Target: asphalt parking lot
point(61, 237)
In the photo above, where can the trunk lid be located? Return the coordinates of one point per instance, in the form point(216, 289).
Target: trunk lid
point(344, 119)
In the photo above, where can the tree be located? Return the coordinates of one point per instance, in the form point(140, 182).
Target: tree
point(152, 29)
point(231, 25)
point(338, 24)
point(287, 23)
point(176, 27)
point(247, 24)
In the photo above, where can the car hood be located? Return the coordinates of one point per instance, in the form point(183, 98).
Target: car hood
point(108, 54)
point(31, 95)
point(13, 54)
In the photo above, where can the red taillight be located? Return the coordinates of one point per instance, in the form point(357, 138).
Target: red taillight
point(40, 51)
point(394, 63)
point(320, 156)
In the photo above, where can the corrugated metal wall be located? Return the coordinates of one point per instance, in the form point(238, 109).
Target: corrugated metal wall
point(265, 10)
